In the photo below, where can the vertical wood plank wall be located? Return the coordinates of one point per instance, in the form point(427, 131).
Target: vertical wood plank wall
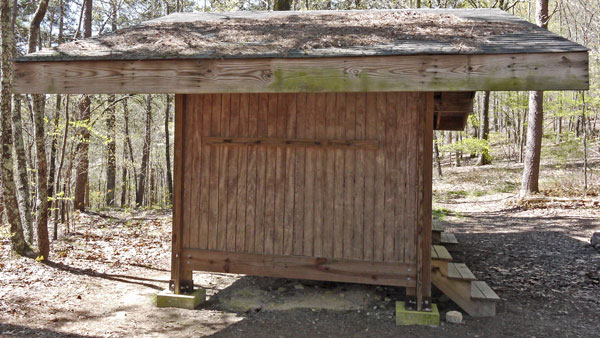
point(347, 203)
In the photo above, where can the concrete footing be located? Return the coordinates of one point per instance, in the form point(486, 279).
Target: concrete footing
point(190, 301)
point(407, 317)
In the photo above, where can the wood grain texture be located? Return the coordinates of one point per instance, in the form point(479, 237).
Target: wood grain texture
point(232, 174)
point(535, 71)
point(224, 154)
point(309, 176)
point(242, 183)
point(252, 174)
point(329, 177)
point(290, 170)
point(320, 142)
point(395, 274)
point(275, 198)
point(338, 228)
point(178, 224)
point(203, 205)
point(299, 179)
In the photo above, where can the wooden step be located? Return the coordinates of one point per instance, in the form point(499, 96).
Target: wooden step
point(436, 233)
point(448, 239)
point(460, 271)
point(460, 292)
point(480, 290)
point(437, 227)
point(440, 253)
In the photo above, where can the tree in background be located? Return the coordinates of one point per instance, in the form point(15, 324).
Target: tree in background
point(83, 163)
point(535, 122)
point(139, 196)
point(17, 238)
point(111, 120)
point(282, 5)
point(39, 106)
point(23, 193)
point(484, 134)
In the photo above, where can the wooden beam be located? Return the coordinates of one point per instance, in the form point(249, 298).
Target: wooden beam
point(181, 277)
point(302, 267)
point(424, 196)
point(282, 142)
point(535, 71)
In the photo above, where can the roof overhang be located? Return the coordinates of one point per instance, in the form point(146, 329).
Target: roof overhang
point(312, 51)
point(529, 71)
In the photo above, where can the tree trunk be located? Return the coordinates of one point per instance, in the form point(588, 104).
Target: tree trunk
point(53, 150)
point(168, 150)
point(282, 5)
point(56, 185)
point(457, 153)
point(23, 178)
point(60, 166)
point(436, 152)
point(139, 196)
point(17, 239)
point(128, 142)
point(531, 169)
point(81, 179)
point(111, 148)
point(23, 193)
point(484, 157)
point(123, 181)
point(39, 105)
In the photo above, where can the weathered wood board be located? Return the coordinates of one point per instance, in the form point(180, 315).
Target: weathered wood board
point(537, 71)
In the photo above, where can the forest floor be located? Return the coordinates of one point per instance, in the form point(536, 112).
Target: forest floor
point(536, 256)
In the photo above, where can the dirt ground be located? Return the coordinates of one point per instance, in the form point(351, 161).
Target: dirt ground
point(105, 273)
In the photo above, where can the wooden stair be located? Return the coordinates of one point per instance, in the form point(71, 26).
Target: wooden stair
point(436, 233)
point(439, 237)
point(449, 241)
point(457, 282)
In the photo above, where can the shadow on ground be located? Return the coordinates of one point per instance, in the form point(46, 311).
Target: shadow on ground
point(9, 330)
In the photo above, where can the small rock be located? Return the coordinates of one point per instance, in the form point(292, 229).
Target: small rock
point(281, 289)
point(454, 317)
point(386, 299)
point(298, 287)
point(595, 240)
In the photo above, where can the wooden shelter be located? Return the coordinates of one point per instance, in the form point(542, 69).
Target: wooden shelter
point(303, 141)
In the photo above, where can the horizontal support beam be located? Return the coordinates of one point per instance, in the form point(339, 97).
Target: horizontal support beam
point(535, 71)
point(283, 142)
point(314, 268)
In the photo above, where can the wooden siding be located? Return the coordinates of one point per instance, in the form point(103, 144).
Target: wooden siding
point(352, 199)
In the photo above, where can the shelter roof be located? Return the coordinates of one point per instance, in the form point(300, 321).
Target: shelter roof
point(315, 34)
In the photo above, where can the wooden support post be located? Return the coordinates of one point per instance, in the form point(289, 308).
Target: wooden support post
point(423, 234)
point(181, 278)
